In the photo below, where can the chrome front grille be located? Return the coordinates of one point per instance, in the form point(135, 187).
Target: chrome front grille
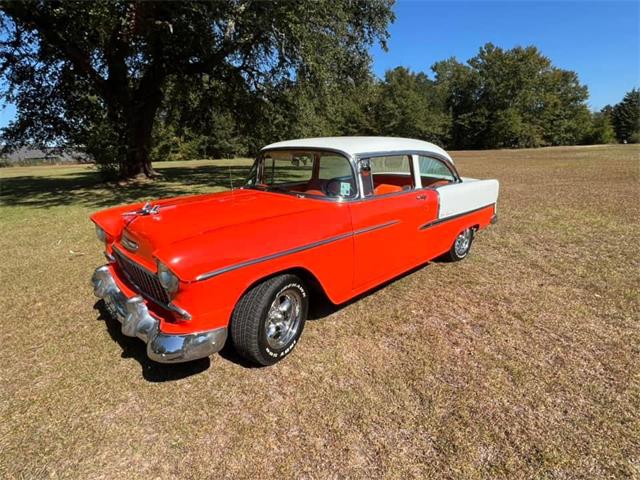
point(144, 280)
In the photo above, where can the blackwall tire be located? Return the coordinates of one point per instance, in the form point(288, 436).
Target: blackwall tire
point(267, 322)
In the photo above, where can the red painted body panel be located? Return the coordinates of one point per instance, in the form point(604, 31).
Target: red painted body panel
point(244, 236)
point(396, 248)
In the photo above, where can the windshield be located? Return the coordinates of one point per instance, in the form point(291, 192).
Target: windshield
point(306, 172)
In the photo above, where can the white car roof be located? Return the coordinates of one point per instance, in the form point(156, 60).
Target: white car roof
point(354, 146)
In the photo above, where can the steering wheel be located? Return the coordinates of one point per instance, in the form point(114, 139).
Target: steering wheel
point(333, 187)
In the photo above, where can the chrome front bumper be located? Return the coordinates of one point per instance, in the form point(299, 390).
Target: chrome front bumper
point(138, 322)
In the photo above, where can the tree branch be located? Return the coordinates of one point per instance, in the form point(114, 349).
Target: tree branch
point(49, 31)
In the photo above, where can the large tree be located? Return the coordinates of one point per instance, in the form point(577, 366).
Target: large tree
point(409, 105)
point(625, 117)
point(601, 131)
point(513, 98)
point(94, 74)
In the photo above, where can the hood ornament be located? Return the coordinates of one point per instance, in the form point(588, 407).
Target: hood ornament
point(147, 209)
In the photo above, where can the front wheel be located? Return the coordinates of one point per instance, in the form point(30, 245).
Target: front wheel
point(269, 318)
point(461, 245)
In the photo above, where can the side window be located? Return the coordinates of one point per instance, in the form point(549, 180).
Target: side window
point(434, 172)
point(335, 173)
point(389, 175)
point(333, 166)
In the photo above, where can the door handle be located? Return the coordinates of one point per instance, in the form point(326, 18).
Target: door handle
point(421, 197)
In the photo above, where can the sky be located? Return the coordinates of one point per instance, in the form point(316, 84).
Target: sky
point(599, 40)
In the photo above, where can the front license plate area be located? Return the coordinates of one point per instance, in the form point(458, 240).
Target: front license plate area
point(116, 305)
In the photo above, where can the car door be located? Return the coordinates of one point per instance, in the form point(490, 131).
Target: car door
point(386, 221)
point(434, 176)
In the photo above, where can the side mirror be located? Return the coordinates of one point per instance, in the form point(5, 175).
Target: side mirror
point(365, 174)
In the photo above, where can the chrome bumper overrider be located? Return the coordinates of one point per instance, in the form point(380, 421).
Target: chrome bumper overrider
point(138, 322)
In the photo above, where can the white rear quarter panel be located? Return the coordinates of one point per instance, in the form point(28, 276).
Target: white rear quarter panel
point(468, 195)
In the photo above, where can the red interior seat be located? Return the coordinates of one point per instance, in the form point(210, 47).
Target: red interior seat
point(385, 188)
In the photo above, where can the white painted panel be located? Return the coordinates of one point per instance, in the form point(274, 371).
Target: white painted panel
point(466, 196)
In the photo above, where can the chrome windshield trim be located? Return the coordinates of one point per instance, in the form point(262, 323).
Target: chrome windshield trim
point(347, 155)
point(350, 159)
point(220, 271)
point(438, 221)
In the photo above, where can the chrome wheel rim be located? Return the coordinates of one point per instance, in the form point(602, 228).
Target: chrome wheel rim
point(463, 241)
point(283, 319)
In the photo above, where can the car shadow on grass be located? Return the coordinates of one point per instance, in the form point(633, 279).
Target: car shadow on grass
point(323, 307)
point(137, 349)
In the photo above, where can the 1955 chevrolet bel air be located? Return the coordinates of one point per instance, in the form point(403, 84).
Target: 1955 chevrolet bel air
point(319, 216)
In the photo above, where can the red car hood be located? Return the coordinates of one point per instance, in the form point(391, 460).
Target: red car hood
point(182, 218)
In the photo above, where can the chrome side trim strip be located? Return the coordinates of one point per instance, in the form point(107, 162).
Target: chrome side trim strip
point(220, 271)
point(248, 263)
point(433, 223)
point(376, 227)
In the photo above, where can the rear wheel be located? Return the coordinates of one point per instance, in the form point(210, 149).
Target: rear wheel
point(461, 245)
point(268, 320)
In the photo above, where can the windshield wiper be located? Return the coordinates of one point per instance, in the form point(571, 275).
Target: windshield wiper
point(275, 188)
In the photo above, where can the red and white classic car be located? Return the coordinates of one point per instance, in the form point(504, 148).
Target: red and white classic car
point(317, 216)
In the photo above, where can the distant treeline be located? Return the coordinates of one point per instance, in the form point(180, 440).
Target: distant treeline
point(128, 82)
point(498, 99)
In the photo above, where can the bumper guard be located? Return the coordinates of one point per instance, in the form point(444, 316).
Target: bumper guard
point(136, 321)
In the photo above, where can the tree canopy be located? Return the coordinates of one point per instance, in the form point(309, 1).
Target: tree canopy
point(96, 73)
point(512, 98)
point(625, 117)
point(129, 82)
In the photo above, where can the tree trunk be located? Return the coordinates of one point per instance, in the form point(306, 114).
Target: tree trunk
point(139, 129)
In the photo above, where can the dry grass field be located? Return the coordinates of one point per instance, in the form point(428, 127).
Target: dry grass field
point(523, 361)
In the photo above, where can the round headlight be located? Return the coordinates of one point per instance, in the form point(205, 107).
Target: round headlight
point(101, 234)
point(167, 279)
